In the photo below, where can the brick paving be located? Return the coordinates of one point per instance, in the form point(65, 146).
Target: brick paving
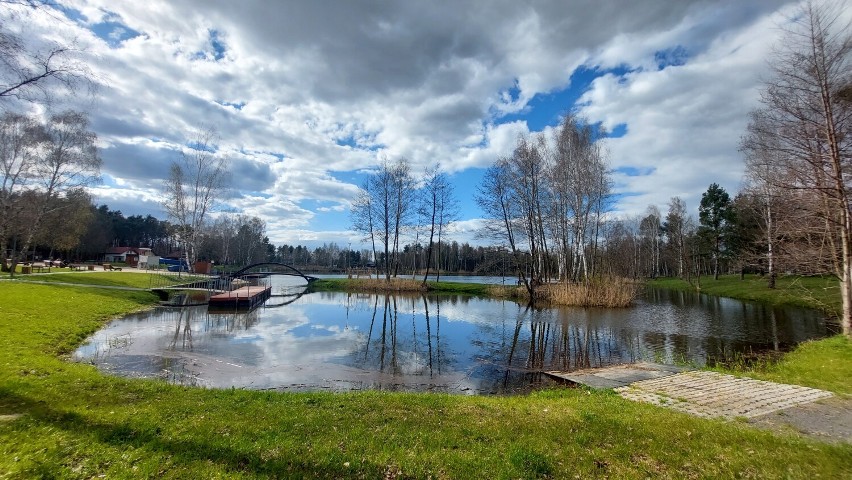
point(711, 394)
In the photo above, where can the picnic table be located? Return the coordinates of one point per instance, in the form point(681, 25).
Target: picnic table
point(40, 267)
point(108, 266)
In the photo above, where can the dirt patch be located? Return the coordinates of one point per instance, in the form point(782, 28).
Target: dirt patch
point(828, 420)
point(10, 418)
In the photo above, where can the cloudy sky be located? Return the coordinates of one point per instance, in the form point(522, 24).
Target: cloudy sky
point(307, 96)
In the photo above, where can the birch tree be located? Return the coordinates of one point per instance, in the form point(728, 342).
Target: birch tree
point(677, 229)
point(196, 181)
point(40, 164)
point(438, 207)
point(382, 210)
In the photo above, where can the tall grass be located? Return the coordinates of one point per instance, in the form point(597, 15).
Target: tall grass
point(613, 292)
point(383, 285)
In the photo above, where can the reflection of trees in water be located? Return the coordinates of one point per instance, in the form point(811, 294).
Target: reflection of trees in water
point(554, 339)
point(188, 318)
point(391, 347)
point(184, 325)
point(232, 321)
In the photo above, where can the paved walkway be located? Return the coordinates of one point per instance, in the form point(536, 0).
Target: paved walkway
point(711, 394)
point(774, 406)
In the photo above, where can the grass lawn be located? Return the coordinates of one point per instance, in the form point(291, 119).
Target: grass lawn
point(67, 420)
point(112, 279)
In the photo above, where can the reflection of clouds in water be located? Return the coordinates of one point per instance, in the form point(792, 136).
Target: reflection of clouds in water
point(281, 339)
point(353, 341)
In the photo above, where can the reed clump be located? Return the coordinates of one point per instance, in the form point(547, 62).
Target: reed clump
point(612, 292)
point(384, 285)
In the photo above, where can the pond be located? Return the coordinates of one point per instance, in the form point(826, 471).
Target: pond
point(341, 342)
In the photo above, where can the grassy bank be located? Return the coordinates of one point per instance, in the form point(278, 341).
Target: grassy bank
point(821, 293)
point(825, 364)
point(60, 419)
point(399, 285)
point(615, 293)
point(111, 279)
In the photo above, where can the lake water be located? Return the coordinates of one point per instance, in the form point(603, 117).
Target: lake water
point(339, 341)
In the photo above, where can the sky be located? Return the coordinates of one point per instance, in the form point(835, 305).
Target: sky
point(308, 96)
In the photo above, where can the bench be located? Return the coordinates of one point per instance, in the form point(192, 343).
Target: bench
point(77, 267)
point(108, 266)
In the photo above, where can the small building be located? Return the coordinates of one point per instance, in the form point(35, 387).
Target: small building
point(128, 255)
point(148, 261)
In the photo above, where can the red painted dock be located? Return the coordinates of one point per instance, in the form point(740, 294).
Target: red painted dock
point(241, 298)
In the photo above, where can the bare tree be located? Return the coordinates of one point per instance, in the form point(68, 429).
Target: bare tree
point(21, 138)
point(677, 229)
point(40, 164)
point(804, 127)
point(528, 185)
point(361, 214)
point(650, 228)
point(36, 74)
point(382, 210)
point(494, 197)
point(438, 205)
point(65, 222)
point(195, 183)
point(550, 197)
point(579, 184)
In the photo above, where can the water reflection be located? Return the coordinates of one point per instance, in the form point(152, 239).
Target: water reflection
point(343, 341)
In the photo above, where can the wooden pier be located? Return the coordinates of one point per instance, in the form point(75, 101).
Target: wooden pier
point(617, 375)
point(246, 298)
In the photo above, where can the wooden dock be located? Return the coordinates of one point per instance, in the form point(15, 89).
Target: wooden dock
point(617, 375)
point(246, 298)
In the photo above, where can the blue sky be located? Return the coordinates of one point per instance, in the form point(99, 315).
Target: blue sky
point(307, 97)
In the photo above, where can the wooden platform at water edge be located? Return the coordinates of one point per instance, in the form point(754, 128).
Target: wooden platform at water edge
point(617, 375)
point(247, 298)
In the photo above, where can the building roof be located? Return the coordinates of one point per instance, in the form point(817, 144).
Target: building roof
point(129, 250)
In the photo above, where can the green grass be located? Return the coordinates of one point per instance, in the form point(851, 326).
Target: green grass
point(825, 364)
point(822, 293)
point(457, 288)
point(113, 279)
point(67, 420)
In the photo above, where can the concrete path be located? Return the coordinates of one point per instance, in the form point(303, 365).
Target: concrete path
point(711, 394)
point(773, 406)
point(828, 420)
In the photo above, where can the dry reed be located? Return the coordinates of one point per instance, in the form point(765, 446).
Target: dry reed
point(384, 285)
point(612, 292)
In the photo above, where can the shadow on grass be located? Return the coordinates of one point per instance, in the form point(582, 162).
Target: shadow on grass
point(183, 452)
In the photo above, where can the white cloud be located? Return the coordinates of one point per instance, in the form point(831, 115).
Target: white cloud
point(301, 91)
point(683, 122)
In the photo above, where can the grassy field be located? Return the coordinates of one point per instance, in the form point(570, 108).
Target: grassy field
point(112, 279)
point(67, 420)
